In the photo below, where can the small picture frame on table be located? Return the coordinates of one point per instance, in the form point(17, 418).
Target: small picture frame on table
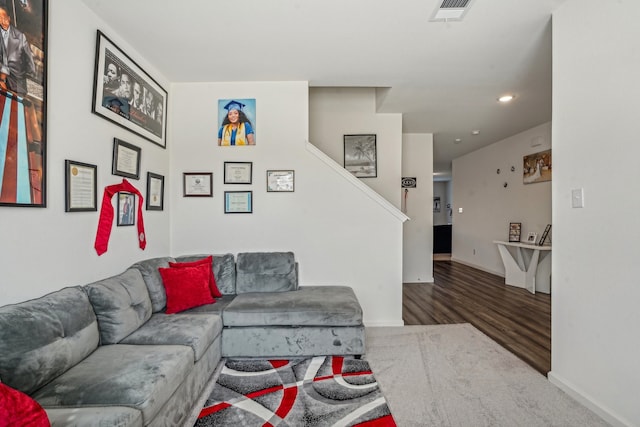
point(515, 229)
point(238, 202)
point(197, 184)
point(280, 181)
point(545, 235)
point(531, 238)
point(126, 159)
point(238, 172)
point(80, 187)
point(126, 209)
point(155, 192)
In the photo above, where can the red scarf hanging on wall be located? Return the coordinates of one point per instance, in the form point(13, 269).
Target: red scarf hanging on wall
point(106, 216)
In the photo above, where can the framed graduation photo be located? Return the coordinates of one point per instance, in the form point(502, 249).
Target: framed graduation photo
point(236, 122)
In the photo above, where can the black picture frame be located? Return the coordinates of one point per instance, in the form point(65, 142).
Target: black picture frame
point(515, 231)
point(238, 202)
point(24, 145)
point(545, 235)
point(280, 181)
point(238, 172)
point(126, 209)
point(126, 159)
point(197, 184)
point(155, 192)
point(80, 187)
point(114, 103)
point(360, 155)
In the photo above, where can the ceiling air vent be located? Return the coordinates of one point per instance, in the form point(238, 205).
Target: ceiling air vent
point(451, 10)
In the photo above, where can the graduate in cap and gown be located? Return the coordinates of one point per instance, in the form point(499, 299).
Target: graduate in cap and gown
point(236, 128)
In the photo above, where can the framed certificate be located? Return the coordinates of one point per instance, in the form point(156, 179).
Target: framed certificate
point(197, 184)
point(80, 186)
point(126, 159)
point(280, 181)
point(238, 202)
point(237, 172)
point(155, 192)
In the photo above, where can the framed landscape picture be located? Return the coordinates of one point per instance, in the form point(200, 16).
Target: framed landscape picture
point(126, 95)
point(23, 90)
point(360, 157)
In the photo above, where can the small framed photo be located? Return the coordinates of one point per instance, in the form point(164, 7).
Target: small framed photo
point(197, 184)
point(126, 159)
point(360, 156)
point(515, 229)
point(126, 209)
point(155, 192)
point(80, 187)
point(238, 202)
point(531, 237)
point(545, 235)
point(280, 181)
point(238, 172)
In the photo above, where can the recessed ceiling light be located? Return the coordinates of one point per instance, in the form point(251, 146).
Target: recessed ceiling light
point(475, 132)
point(457, 141)
point(506, 98)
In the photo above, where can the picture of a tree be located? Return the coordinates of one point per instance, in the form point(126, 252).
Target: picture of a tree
point(360, 155)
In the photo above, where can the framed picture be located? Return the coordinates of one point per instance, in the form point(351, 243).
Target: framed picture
point(360, 157)
point(236, 122)
point(197, 184)
point(23, 93)
point(155, 192)
point(238, 202)
point(531, 237)
point(545, 235)
point(537, 167)
point(126, 209)
point(515, 229)
point(280, 181)
point(126, 159)
point(238, 172)
point(436, 204)
point(126, 95)
point(80, 187)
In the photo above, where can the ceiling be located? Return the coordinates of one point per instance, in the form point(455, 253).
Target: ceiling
point(444, 77)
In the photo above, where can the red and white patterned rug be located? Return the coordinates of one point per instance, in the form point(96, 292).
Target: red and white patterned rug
point(318, 391)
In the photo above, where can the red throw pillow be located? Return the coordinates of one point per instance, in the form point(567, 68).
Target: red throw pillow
point(186, 287)
point(212, 279)
point(18, 409)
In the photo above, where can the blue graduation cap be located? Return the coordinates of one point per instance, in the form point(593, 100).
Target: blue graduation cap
point(233, 105)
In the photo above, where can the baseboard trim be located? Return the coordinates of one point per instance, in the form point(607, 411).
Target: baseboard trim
point(384, 323)
point(587, 401)
point(479, 267)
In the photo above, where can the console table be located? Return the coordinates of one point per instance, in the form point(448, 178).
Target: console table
point(530, 268)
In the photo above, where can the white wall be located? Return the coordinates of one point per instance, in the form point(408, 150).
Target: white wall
point(43, 250)
point(335, 112)
point(596, 105)
point(417, 161)
point(338, 233)
point(489, 207)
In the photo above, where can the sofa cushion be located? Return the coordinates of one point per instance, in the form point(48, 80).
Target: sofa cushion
point(224, 270)
point(140, 376)
point(308, 306)
point(121, 304)
point(18, 409)
point(151, 276)
point(208, 261)
point(217, 308)
point(266, 272)
point(194, 330)
point(98, 416)
point(186, 287)
point(42, 338)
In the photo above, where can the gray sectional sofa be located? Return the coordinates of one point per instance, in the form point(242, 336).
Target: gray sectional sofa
point(106, 353)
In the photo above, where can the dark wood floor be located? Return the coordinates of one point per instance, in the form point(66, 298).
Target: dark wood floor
point(513, 317)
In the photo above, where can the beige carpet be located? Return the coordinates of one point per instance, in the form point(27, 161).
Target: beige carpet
point(455, 376)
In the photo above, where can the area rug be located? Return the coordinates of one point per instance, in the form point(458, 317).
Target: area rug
point(318, 391)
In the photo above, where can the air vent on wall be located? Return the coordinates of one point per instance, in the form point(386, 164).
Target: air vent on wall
point(451, 10)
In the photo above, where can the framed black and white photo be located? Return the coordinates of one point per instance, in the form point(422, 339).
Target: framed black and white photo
point(360, 156)
point(238, 172)
point(126, 95)
point(126, 209)
point(80, 187)
point(238, 202)
point(280, 181)
point(23, 93)
point(155, 192)
point(126, 159)
point(197, 184)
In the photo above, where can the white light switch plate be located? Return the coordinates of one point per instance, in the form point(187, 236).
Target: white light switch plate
point(577, 198)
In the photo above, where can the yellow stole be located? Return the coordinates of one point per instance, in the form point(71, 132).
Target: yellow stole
point(241, 138)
